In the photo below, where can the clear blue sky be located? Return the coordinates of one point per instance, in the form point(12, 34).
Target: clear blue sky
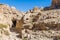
point(25, 5)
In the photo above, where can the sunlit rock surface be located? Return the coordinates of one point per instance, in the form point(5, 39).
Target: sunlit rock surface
point(7, 16)
point(35, 24)
point(41, 25)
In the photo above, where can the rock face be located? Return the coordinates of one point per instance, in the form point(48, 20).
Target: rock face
point(38, 20)
point(35, 24)
point(7, 16)
point(55, 4)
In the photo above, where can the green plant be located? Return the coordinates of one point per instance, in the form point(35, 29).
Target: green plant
point(24, 39)
point(3, 26)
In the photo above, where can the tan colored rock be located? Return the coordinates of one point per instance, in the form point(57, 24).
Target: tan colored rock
point(35, 8)
point(55, 3)
point(7, 15)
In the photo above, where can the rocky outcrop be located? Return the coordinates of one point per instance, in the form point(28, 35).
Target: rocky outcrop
point(35, 24)
point(40, 20)
point(7, 16)
point(55, 4)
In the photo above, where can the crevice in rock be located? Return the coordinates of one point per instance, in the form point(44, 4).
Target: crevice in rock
point(14, 23)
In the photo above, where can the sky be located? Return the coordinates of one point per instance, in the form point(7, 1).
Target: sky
point(25, 5)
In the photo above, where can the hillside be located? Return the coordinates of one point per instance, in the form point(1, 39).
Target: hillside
point(35, 24)
point(42, 25)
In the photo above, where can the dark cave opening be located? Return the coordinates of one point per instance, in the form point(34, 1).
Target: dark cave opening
point(14, 23)
point(12, 29)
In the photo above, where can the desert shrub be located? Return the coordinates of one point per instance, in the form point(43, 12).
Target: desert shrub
point(3, 26)
point(24, 39)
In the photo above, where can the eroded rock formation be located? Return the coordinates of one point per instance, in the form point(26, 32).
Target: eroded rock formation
point(27, 25)
point(45, 21)
point(7, 16)
point(55, 4)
